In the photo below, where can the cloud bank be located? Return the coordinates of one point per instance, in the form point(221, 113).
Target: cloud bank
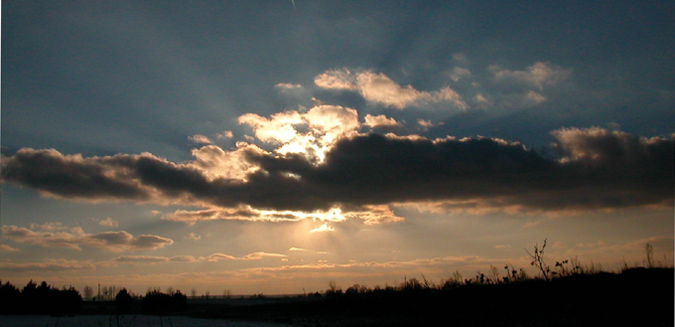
point(320, 167)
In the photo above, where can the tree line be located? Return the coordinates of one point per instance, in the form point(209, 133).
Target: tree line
point(45, 299)
point(39, 299)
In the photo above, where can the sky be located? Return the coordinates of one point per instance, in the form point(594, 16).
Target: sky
point(275, 146)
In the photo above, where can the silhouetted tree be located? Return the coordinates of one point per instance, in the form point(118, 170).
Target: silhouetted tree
point(333, 289)
point(45, 299)
point(10, 298)
point(30, 289)
point(69, 301)
point(108, 293)
point(123, 299)
point(179, 299)
point(29, 298)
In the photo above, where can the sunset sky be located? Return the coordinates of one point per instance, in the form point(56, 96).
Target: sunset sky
point(274, 146)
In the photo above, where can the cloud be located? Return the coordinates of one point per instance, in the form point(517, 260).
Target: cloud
point(109, 222)
point(47, 238)
point(225, 135)
point(501, 88)
point(260, 255)
point(537, 76)
point(48, 265)
point(534, 97)
point(75, 238)
point(381, 122)
point(7, 248)
point(279, 128)
point(246, 213)
point(520, 88)
point(371, 215)
point(211, 159)
point(183, 258)
point(323, 125)
point(287, 86)
point(597, 169)
point(458, 73)
point(141, 259)
point(72, 176)
point(379, 88)
point(601, 147)
point(198, 138)
point(215, 257)
point(426, 124)
point(375, 214)
point(147, 242)
point(66, 265)
point(376, 169)
point(150, 259)
point(323, 228)
point(336, 80)
point(461, 59)
point(193, 236)
point(443, 264)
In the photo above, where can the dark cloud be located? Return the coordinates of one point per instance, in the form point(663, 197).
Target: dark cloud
point(597, 169)
point(120, 177)
point(71, 176)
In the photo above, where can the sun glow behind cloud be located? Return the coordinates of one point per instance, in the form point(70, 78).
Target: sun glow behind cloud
point(322, 229)
point(317, 163)
point(199, 146)
point(330, 167)
point(324, 125)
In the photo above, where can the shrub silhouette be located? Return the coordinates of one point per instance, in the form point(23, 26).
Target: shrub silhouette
point(333, 290)
point(158, 302)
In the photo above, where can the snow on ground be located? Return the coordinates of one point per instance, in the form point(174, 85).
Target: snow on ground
point(125, 321)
